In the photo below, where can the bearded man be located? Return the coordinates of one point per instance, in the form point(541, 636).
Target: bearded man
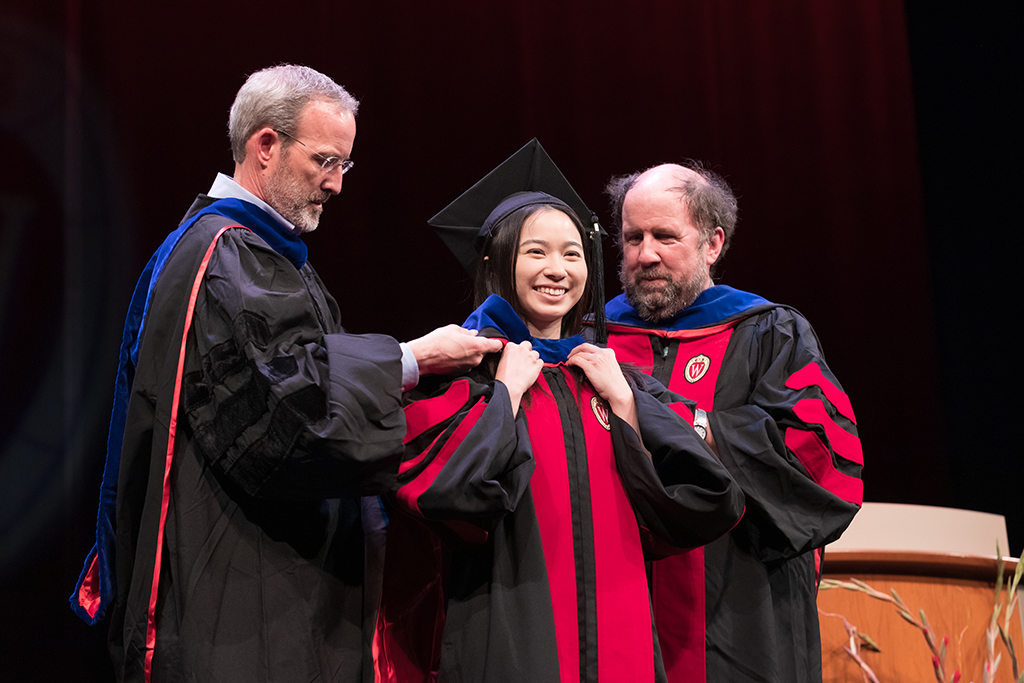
point(248, 424)
point(741, 609)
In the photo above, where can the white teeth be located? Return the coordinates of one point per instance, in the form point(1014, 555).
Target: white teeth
point(551, 290)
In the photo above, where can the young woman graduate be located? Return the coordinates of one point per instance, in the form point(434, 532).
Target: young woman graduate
point(534, 487)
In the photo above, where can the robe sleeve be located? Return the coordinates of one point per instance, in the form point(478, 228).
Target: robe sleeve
point(793, 446)
point(467, 465)
point(467, 460)
point(277, 404)
point(682, 495)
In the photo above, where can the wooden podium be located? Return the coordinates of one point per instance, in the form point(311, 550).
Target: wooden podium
point(932, 557)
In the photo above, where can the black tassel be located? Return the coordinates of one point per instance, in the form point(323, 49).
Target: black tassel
point(597, 261)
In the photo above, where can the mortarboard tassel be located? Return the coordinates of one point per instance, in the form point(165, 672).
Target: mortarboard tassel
point(597, 259)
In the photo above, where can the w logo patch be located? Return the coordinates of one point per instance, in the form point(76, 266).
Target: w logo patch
point(696, 367)
point(600, 412)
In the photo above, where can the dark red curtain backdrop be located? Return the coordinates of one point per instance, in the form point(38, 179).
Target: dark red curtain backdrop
point(806, 107)
point(113, 117)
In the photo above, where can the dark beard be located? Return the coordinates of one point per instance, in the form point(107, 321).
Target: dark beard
point(654, 305)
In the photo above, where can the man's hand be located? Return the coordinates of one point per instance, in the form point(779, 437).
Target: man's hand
point(710, 440)
point(451, 349)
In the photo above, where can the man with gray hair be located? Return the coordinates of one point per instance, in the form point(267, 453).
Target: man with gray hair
point(741, 609)
point(248, 424)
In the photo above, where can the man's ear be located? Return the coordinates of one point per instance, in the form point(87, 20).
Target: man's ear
point(715, 245)
point(265, 146)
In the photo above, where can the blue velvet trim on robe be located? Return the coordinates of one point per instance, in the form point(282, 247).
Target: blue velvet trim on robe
point(714, 305)
point(498, 314)
point(280, 240)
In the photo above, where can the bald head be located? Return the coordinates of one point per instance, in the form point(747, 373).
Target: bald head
point(705, 196)
point(666, 178)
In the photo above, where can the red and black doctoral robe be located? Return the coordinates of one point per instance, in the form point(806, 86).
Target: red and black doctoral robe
point(517, 550)
point(743, 608)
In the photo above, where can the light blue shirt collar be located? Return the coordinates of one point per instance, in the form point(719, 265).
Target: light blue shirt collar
point(225, 187)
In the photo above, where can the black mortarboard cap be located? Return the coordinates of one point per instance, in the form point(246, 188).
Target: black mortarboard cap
point(526, 178)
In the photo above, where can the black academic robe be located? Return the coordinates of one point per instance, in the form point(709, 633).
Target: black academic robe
point(516, 550)
point(284, 421)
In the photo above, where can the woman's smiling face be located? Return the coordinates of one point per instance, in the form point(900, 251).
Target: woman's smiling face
point(551, 271)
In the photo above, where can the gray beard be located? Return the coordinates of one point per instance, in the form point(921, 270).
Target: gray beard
point(655, 305)
point(286, 196)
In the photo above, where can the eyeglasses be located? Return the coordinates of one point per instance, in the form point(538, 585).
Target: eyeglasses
point(328, 164)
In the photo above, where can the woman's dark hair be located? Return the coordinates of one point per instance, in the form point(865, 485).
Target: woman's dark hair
point(496, 274)
point(496, 267)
